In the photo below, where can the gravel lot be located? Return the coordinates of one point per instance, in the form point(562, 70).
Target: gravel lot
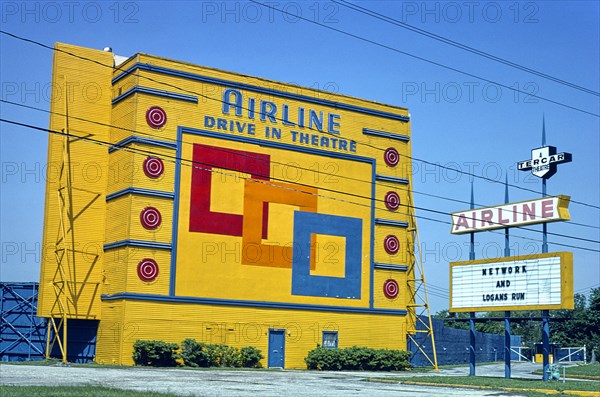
point(233, 383)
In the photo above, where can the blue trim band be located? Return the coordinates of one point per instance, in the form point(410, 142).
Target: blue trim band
point(125, 73)
point(383, 134)
point(146, 141)
point(139, 192)
point(372, 238)
point(261, 90)
point(174, 229)
point(389, 222)
point(246, 303)
point(385, 266)
point(152, 91)
point(137, 243)
point(392, 179)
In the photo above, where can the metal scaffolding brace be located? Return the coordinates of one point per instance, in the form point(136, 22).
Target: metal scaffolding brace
point(64, 276)
point(419, 308)
point(65, 283)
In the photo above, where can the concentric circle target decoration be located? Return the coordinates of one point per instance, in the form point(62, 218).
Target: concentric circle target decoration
point(147, 270)
point(392, 201)
point(150, 218)
point(390, 289)
point(391, 157)
point(156, 117)
point(391, 244)
point(153, 167)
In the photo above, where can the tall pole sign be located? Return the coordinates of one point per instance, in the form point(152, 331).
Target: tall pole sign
point(530, 282)
point(543, 164)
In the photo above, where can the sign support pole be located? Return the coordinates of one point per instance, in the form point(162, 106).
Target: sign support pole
point(546, 342)
point(545, 313)
point(472, 344)
point(507, 344)
point(472, 314)
point(506, 313)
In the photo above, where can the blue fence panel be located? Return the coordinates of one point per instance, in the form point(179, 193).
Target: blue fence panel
point(22, 332)
point(569, 354)
point(452, 345)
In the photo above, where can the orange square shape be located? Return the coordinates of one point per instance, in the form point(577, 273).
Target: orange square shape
point(254, 252)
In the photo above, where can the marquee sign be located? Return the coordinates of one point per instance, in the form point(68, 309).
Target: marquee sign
point(547, 209)
point(531, 282)
point(543, 161)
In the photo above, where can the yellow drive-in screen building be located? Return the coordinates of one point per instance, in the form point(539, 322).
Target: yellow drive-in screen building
point(191, 202)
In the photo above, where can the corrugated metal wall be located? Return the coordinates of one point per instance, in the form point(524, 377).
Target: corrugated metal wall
point(22, 332)
point(452, 346)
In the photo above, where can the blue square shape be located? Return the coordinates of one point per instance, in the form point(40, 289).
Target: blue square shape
point(303, 283)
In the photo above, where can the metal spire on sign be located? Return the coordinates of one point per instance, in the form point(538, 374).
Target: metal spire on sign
point(544, 130)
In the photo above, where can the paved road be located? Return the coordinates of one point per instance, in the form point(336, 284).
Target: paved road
point(243, 383)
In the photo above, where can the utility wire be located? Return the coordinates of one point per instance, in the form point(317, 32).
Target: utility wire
point(194, 165)
point(326, 174)
point(424, 59)
point(385, 18)
point(198, 164)
point(218, 100)
point(323, 188)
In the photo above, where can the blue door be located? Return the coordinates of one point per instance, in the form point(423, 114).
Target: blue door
point(276, 348)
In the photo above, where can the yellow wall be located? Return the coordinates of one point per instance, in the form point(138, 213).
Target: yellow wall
point(124, 322)
point(74, 218)
point(209, 269)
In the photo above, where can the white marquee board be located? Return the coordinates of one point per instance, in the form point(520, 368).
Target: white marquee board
point(532, 282)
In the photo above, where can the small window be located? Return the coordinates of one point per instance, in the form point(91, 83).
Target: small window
point(330, 339)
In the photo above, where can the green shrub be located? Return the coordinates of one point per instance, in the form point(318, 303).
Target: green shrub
point(195, 354)
point(324, 359)
point(199, 354)
point(251, 357)
point(226, 356)
point(357, 358)
point(155, 353)
point(390, 360)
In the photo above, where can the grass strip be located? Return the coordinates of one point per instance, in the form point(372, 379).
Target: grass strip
point(583, 388)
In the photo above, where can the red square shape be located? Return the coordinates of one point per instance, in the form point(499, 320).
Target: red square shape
point(205, 157)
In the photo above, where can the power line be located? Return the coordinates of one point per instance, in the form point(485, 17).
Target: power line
point(218, 100)
point(294, 166)
point(408, 190)
point(197, 165)
point(456, 44)
point(425, 60)
point(194, 164)
point(587, 290)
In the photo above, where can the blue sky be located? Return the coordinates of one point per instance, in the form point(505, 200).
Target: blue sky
point(458, 121)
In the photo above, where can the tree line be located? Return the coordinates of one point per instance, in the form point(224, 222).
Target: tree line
point(568, 328)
